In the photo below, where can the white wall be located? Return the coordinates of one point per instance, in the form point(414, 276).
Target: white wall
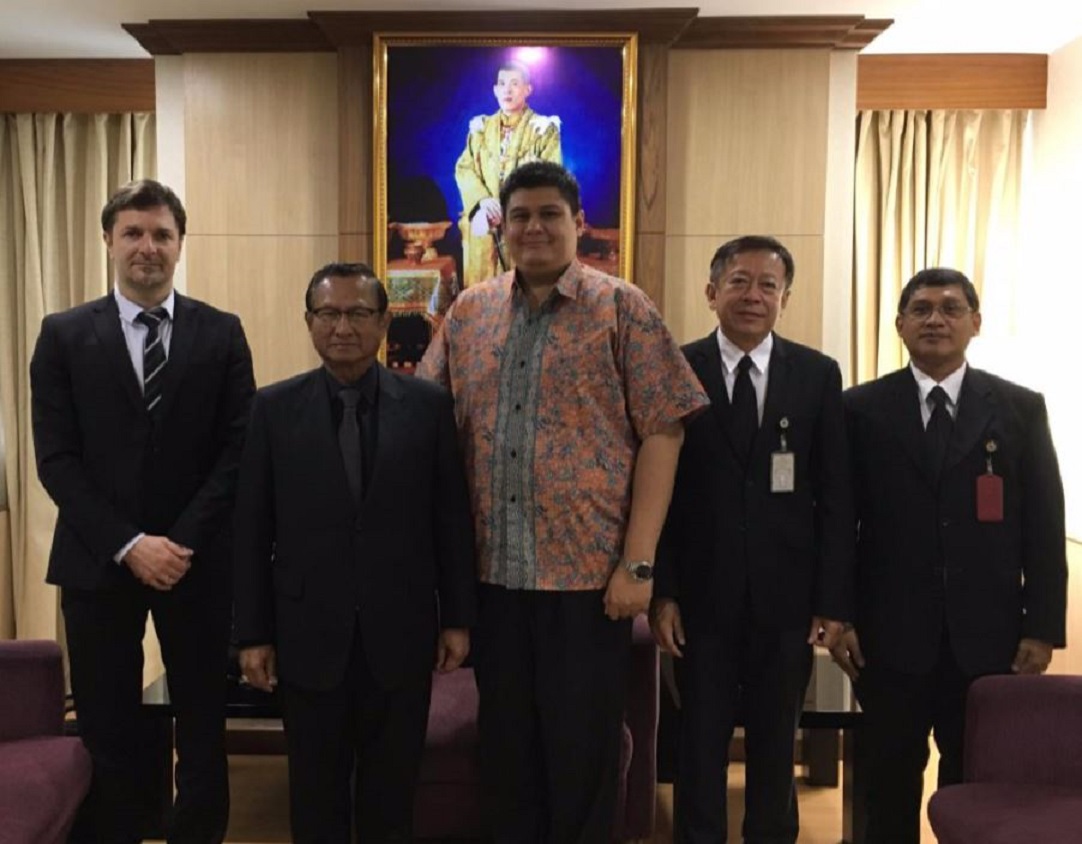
point(1051, 297)
point(1033, 333)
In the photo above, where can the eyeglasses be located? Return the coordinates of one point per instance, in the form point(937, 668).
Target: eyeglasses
point(920, 311)
point(328, 317)
point(766, 286)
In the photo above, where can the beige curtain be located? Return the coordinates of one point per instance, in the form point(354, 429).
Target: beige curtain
point(56, 172)
point(933, 188)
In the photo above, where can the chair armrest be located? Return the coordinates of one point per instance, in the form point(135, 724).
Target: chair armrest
point(31, 689)
point(641, 716)
point(1024, 729)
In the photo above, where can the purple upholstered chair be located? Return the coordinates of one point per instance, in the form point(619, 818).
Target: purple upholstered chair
point(44, 775)
point(448, 802)
point(1023, 765)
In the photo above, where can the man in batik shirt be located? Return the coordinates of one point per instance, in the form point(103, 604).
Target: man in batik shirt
point(570, 398)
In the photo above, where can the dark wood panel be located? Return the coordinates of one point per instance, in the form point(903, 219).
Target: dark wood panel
point(87, 86)
point(355, 139)
point(356, 247)
point(653, 117)
point(650, 267)
point(653, 25)
point(829, 31)
point(253, 35)
point(952, 81)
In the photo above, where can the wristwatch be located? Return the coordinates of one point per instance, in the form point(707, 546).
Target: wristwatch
point(641, 571)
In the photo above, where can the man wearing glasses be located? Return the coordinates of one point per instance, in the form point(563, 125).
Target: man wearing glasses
point(352, 519)
point(961, 561)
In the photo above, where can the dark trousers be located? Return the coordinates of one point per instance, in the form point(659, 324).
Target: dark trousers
point(552, 677)
point(762, 673)
point(900, 710)
point(357, 732)
point(104, 636)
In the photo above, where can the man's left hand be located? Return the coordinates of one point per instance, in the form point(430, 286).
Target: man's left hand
point(825, 632)
point(1032, 658)
point(452, 649)
point(626, 597)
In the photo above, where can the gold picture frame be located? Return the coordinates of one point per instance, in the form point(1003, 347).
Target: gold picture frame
point(434, 148)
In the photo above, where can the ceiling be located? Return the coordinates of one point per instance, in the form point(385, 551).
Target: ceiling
point(91, 28)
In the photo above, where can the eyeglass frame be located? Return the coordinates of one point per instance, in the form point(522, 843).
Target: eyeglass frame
point(959, 311)
point(356, 317)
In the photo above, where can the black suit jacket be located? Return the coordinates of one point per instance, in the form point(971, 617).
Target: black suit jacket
point(309, 562)
point(95, 440)
point(727, 535)
point(923, 558)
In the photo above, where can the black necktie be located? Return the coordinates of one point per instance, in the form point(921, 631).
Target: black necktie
point(349, 441)
point(938, 432)
point(744, 418)
point(153, 356)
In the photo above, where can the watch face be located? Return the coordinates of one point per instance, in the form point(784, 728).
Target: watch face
point(643, 572)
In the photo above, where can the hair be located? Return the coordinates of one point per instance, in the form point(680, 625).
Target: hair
point(339, 269)
point(142, 195)
point(515, 65)
point(751, 243)
point(542, 174)
point(939, 277)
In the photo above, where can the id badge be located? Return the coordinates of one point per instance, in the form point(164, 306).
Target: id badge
point(989, 498)
point(990, 488)
point(782, 471)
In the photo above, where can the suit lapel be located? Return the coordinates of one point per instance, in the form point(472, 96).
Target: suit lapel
point(315, 424)
point(976, 406)
point(107, 327)
point(392, 418)
point(904, 418)
point(186, 325)
point(705, 359)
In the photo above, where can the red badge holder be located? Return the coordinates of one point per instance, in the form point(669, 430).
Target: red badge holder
point(989, 489)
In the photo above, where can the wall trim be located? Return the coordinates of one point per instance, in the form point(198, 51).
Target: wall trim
point(76, 86)
point(942, 81)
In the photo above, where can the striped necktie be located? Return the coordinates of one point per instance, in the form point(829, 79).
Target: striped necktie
point(153, 356)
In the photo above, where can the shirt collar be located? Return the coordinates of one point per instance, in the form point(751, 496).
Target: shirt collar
point(731, 353)
point(129, 310)
point(368, 384)
point(567, 285)
point(952, 384)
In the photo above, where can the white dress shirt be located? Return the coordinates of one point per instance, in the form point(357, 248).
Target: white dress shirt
point(759, 372)
point(952, 386)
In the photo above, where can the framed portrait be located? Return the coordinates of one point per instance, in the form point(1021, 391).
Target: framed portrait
point(454, 115)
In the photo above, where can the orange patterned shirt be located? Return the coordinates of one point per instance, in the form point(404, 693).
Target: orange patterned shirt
point(551, 407)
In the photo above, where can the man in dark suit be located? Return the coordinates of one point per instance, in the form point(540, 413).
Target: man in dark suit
point(354, 564)
point(756, 556)
point(961, 557)
point(140, 401)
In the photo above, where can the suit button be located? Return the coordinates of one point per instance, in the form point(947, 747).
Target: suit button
point(749, 483)
point(945, 523)
point(357, 525)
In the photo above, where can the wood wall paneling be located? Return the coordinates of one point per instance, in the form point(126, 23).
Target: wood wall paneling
point(77, 86)
point(355, 115)
point(262, 143)
point(248, 35)
point(687, 271)
point(650, 194)
point(747, 141)
point(262, 279)
point(653, 25)
point(789, 32)
point(952, 81)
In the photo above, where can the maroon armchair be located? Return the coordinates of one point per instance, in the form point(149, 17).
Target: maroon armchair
point(44, 775)
point(448, 799)
point(1023, 765)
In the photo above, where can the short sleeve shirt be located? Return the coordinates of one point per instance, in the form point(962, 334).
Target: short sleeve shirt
point(551, 407)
